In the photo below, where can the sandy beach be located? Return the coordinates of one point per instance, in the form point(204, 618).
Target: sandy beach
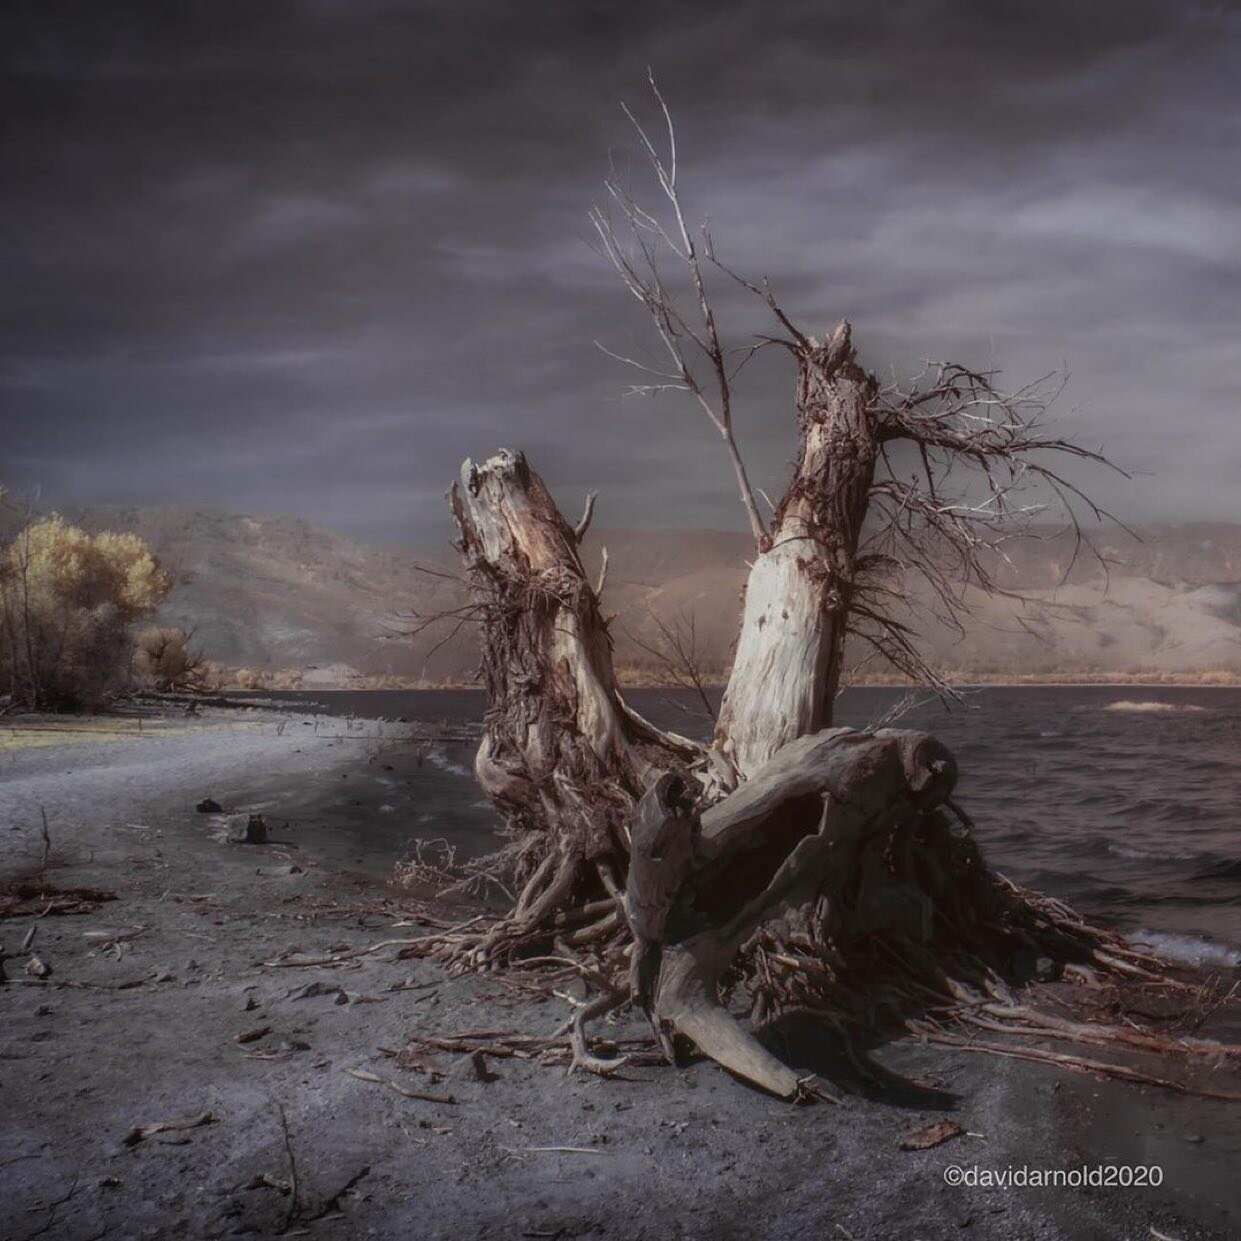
point(138, 1023)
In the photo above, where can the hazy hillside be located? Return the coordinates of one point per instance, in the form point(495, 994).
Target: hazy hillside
point(282, 593)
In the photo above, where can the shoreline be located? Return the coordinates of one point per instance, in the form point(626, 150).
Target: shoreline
point(1055, 681)
point(140, 1019)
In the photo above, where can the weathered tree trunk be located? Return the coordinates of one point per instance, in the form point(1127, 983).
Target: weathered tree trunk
point(562, 757)
point(787, 667)
point(547, 656)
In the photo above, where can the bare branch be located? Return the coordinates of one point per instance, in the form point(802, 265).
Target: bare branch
point(982, 479)
point(677, 653)
point(583, 524)
point(636, 262)
point(799, 338)
point(603, 575)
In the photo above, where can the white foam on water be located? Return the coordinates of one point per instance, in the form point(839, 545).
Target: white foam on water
point(1150, 855)
point(441, 760)
point(1187, 949)
point(1154, 708)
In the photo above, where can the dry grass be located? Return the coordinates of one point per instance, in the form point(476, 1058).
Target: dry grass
point(33, 732)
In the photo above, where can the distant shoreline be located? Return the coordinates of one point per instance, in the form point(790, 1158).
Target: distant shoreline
point(1206, 680)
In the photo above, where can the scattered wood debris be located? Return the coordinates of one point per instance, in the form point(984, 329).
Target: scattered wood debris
point(554, 1150)
point(930, 1135)
point(265, 1180)
point(1079, 1064)
point(42, 900)
point(364, 1075)
point(140, 1133)
point(252, 1036)
point(337, 957)
point(416, 1062)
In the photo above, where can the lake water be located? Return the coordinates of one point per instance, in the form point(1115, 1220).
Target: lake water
point(1122, 801)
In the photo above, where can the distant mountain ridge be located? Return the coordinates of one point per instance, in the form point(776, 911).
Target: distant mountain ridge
point(281, 593)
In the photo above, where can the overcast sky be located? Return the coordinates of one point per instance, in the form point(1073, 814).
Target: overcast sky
point(305, 257)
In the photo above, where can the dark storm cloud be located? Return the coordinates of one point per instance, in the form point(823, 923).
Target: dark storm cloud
point(305, 257)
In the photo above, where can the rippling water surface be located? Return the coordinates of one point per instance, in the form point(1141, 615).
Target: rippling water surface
point(1123, 801)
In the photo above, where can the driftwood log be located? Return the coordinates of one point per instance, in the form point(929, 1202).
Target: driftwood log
point(797, 834)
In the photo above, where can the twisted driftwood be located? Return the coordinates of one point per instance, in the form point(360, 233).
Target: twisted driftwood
point(793, 834)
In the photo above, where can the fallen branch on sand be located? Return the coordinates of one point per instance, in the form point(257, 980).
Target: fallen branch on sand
point(29, 898)
point(1078, 1063)
point(140, 1133)
point(930, 1136)
point(364, 1075)
point(291, 1209)
point(554, 1150)
point(336, 958)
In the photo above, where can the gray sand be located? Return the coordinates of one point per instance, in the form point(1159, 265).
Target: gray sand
point(673, 1153)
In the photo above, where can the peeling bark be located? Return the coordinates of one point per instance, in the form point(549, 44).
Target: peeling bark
point(563, 757)
point(787, 668)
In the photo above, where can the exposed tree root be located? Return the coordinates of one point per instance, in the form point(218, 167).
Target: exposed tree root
point(896, 985)
point(831, 884)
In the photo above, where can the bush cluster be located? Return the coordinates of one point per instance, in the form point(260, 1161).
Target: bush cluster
point(68, 601)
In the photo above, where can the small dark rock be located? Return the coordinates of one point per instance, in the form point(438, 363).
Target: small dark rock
point(209, 805)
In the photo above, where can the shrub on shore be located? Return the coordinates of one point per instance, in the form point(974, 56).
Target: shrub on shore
point(165, 660)
point(67, 602)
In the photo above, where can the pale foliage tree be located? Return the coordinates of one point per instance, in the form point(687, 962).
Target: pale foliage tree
point(67, 601)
